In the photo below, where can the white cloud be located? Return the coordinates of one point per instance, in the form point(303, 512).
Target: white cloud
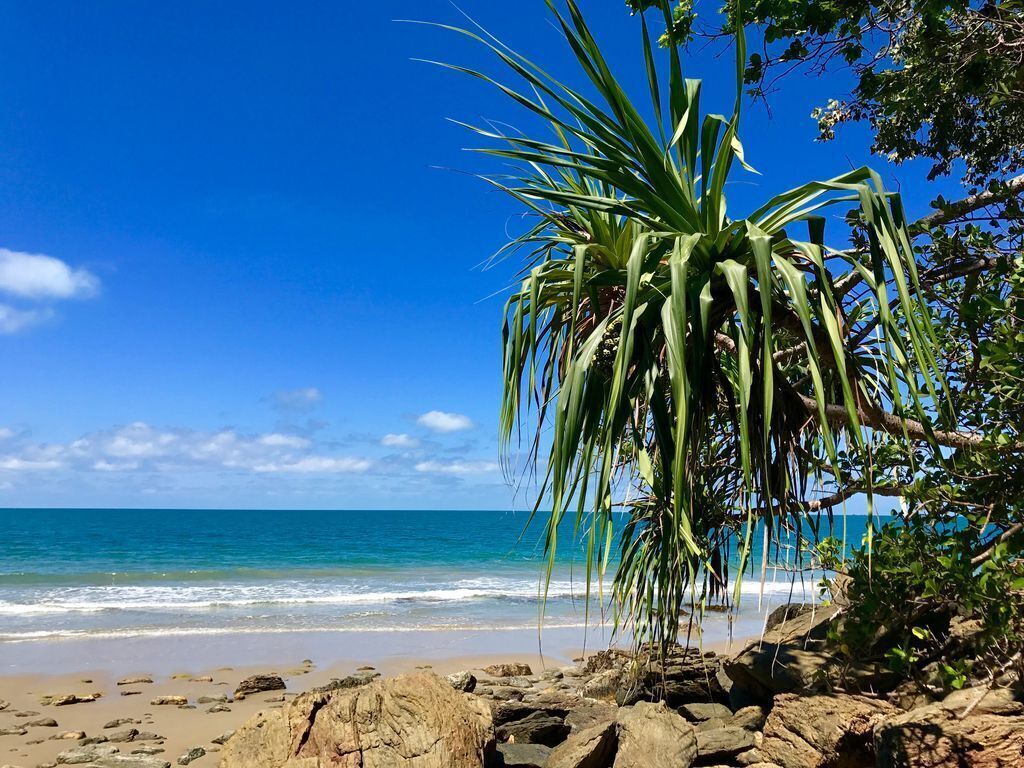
point(284, 441)
point(399, 441)
point(317, 464)
point(6, 433)
point(457, 467)
point(13, 319)
point(440, 421)
point(139, 446)
point(304, 397)
point(37, 276)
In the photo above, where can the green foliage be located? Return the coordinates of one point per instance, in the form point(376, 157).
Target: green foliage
point(696, 369)
point(937, 79)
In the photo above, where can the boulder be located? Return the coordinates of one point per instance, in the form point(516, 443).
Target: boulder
point(83, 755)
point(699, 712)
point(719, 745)
point(522, 755)
point(414, 720)
point(653, 736)
point(789, 656)
point(588, 715)
point(603, 686)
point(752, 718)
point(43, 722)
point(257, 684)
point(822, 731)
point(193, 754)
point(990, 736)
point(464, 681)
point(508, 670)
point(590, 748)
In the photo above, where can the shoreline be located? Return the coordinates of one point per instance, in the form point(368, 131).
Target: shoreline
point(28, 737)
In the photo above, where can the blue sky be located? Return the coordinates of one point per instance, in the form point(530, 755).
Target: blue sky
point(232, 270)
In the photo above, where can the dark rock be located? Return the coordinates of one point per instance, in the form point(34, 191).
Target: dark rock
point(464, 681)
point(43, 722)
point(751, 718)
point(536, 728)
point(258, 684)
point(223, 738)
point(686, 676)
point(588, 715)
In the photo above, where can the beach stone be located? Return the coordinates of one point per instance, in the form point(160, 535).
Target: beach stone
point(536, 728)
point(223, 738)
point(218, 708)
point(69, 736)
point(136, 680)
point(121, 721)
point(43, 722)
point(148, 751)
point(990, 736)
point(83, 755)
point(514, 669)
point(127, 734)
point(193, 754)
point(130, 693)
point(523, 755)
point(99, 739)
point(653, 736)
point(411, 721)
point(464, 681)
point(590, 748)
point(201, 679)
point(15, 731)
point(4, 705)
point(147, 736)
point(66, 699)
point(26, 713)
point(723, 744)
point(258, 684)
point(169, 701)
point(130, 761)
point(220, 698)
point(819, 731)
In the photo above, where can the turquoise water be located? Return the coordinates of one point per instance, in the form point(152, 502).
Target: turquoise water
point(129, 573)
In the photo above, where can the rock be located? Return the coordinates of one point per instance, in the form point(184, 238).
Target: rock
point(603, 686)
point(990, 736)
point(4, 705)
point(590, 748)
point(147, 751)
point(508, 670)
point(722, 744)
point(501, 693)
point(220, 698)
point(69, 736)
point(121, 721)
point(218, 708)
point(98, 739)
point(126, 734)
point(169, 701)
point(350, 681)
point(752, 718)
point(223, 738)
point(201, 679)
point(523, 755)
point(816, 731)
point(83, 755)
point(65, 699)
point(653, 736)
point(130, 693)
point(15, 731)
point(414, 720)
point(788, 657)
point(463, 681)
point(43, 722)
point(588, 715)
point(698, 712)
point(130, 761)
point(258, 684)
point(536, 728)
point(685, 676)
point(137, 680)
point(193, 754)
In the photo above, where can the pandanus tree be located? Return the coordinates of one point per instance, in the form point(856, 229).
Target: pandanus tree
point(701, 373)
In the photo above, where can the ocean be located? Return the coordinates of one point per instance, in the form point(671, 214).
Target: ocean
point(69, 574)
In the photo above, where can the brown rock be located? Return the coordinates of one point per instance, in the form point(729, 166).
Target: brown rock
point(508, 670)
point(415, 720)
point(822, 731)
point(136, 680)
point(169, 701)
point(591, 748)
point(722, 744)
point(653, 736)
point(991, 736)
point(257, 684)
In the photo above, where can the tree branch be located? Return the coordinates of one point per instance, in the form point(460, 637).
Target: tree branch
point(953, 211)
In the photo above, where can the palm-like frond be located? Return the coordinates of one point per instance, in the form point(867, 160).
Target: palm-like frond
point(688, 362)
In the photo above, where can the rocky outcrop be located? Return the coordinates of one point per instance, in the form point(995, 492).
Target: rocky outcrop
point(991, 735)
point(415, 720)
point(822, 731)
point(653, 736)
